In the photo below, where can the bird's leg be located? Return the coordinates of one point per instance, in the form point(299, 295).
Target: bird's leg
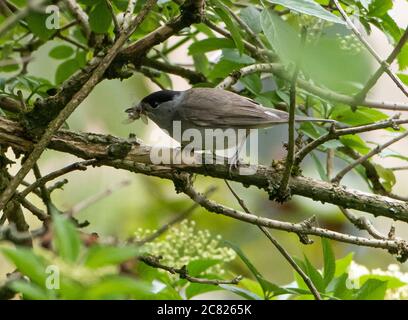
point(234, 160)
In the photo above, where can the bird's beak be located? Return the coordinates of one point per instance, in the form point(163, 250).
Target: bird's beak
point(135, 113)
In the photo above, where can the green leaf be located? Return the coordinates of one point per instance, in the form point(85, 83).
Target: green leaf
point(372, 289)
point(231, 26)
point(223, 69)
point(270, 289)
point(329, 266)
point(114, 287)
point(100, 256)
point(392, 282)
point(234, 56)
point(196, 267)
point(356, 143)
point(36, 22)
point(252, 286)
point(378, 8)
point(252, 82)
point(252, 17)
point(210, 44)
point(66, 239)
point(66, 69)
point(314, 275)
point(341, 289)
point(61, 52)
point(281, 36)
point(100, 18)
point(28, 263)
point(403, 77)
point(194, 289)
point(319, 166)
point(309, 7)
point(361, 116)
point(241, 292)
point(387, 176)
point(343, 264)
point(29, 290)
point(403, 59)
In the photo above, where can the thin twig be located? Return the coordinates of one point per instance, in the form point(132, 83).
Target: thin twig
point(182, 272)
point(95, 198)
point(80, 15)
point(281, 249)
point(362, 223)
point(177, 219)
point(397, 246)
point(323, 93)
point(372, 153)
point(55, 174)
point(384, 64)
point(84, 91)
point(336, 133)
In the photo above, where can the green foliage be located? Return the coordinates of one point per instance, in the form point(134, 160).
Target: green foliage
point(309, 7)
point(332, 58)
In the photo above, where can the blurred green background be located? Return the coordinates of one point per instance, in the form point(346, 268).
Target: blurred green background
point(150, 202)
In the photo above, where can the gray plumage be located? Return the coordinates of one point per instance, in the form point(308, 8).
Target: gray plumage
point(208, 108)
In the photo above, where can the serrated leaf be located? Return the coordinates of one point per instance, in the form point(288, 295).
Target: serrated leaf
point(309, 7)
point(100, 256)
point(66, 239)
point(61, 52)
point(100, 18)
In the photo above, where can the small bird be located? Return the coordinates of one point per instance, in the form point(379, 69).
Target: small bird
point(207, 108)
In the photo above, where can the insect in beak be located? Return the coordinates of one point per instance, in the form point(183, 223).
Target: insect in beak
point(136, 113)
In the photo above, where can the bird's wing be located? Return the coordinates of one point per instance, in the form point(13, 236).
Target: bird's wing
point(216, 108)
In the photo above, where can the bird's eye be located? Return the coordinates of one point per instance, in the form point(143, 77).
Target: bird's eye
point(155, 104)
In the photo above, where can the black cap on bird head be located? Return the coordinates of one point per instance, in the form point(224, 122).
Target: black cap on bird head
point(152, 101)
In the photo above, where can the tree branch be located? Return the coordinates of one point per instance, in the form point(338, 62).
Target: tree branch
point(72, 105)
point(182, 272)
point(134, 156)
point(323, 93)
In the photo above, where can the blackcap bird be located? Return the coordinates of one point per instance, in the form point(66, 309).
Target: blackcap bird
point(202, 109)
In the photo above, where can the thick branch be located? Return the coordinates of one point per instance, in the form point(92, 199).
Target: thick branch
point(135, 157)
